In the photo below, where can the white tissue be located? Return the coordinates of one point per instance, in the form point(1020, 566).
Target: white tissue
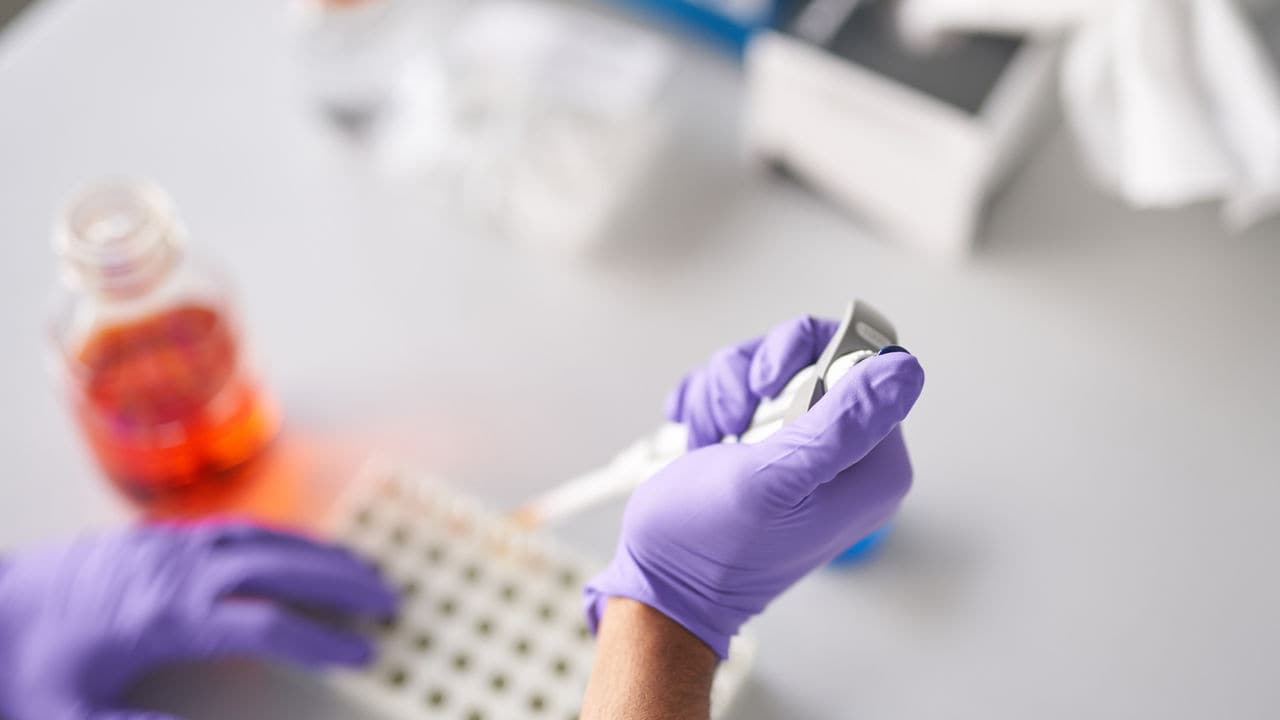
point(1171, 101)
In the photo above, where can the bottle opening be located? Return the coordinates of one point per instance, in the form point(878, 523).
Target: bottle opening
point(118, 236)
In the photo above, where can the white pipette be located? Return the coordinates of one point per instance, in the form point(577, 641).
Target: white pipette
point(862, 333)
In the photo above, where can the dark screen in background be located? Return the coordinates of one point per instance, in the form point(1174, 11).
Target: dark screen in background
point(961, 72)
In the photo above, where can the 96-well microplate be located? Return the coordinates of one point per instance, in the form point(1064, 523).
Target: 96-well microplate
point(491, 626)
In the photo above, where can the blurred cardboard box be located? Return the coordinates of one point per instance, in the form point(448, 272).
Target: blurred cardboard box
point(912, 139)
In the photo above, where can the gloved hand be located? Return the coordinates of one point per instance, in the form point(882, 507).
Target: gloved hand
point(81, 621)
point(715, 536)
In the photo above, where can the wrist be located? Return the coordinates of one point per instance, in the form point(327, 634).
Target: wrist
point(711, 623)
point(647, 666)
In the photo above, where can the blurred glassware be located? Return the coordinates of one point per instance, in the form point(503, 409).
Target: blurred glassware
point(150, 349)
point(537, 121)
point(355, 54)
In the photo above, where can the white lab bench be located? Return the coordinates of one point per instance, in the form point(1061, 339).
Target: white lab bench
point(1094, 527)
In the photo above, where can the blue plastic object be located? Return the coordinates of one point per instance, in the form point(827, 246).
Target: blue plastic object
point(862, 549)
point(725, 22)
point(865, 547)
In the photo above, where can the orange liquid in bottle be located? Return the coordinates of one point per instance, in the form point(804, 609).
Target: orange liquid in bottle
point(166, 404)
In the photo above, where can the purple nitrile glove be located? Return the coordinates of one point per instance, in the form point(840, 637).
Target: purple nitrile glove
point(81, 621)
point(720, 398)
point(718, 534)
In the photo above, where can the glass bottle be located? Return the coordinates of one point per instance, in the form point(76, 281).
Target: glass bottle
point(148, 341)
point(357, 55)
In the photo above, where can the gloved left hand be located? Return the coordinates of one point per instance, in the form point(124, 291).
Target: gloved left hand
point(81, 621)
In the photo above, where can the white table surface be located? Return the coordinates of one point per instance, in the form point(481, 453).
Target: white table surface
point(1093, 531)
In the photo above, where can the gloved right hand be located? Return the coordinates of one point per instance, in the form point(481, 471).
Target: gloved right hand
point(81, 621)
point(719, 533)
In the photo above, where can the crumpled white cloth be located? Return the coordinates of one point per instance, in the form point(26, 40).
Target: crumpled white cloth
point(1171, 101)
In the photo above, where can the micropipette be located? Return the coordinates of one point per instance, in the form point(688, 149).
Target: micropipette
point(862, 333)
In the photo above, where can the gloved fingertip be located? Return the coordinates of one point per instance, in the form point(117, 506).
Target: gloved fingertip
point(855, 414)
point(761, 376)
point(896, 379)
point(357, 652)
point(897, 365)
point(376, 598)
point(785, 350)
point(767, 377)
point(341, 647)
point(363, 654)
point(697, 440)
point(673, 406)
point(387, 600)
point(901, 365)
point(890, 349)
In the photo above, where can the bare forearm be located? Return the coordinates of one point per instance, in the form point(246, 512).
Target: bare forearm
point(647, 667)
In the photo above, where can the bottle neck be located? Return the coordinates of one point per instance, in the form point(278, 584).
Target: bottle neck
point(119, 238)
